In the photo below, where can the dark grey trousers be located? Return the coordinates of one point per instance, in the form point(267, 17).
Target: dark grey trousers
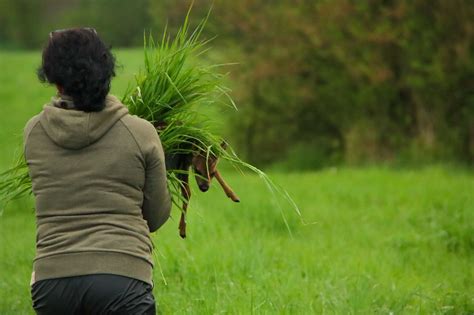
point(92, 294)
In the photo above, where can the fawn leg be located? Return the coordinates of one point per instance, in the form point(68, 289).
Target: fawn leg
point(228, 191)
point(186, 192)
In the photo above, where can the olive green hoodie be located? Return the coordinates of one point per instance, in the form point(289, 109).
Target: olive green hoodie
point(99, 183)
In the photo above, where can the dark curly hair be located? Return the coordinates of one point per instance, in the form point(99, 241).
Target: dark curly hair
point(79, 61)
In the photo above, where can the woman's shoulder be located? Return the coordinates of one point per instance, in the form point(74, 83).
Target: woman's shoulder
point(143, 132)
point(30, 124)
point(138, 125)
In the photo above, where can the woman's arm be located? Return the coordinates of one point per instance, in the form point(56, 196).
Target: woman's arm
point(156, 205)
point(157, 201)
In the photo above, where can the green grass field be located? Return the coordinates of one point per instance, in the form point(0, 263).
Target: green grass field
point(370, 241)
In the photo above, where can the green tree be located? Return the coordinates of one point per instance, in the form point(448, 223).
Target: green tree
point(362, 81)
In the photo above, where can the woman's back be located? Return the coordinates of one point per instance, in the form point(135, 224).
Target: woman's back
point(98, 179)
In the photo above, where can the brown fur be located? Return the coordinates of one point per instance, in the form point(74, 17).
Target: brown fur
point(205, 169)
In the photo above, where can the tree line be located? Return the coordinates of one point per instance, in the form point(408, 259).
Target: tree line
point(319, 82)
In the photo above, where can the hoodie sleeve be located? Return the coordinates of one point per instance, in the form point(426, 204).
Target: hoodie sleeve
point(28, 127)
point(156, 205)
point(157, 201)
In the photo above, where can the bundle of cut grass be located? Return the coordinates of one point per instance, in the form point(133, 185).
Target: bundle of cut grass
point(171, 91)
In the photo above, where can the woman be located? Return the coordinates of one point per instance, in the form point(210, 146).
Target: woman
point(99, 183)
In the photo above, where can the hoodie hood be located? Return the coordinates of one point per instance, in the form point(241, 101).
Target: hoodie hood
point(75, 129)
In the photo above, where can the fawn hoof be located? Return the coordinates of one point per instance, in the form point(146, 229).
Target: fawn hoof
point(235, 199)
point(182, 232)
point(182, 229)
point(204, 187)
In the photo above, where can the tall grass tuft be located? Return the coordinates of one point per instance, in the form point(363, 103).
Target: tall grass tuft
point(15, 183)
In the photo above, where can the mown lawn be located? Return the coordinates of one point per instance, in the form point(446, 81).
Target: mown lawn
point(370, 240)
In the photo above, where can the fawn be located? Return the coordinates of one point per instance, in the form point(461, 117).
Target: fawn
point(205, 169)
